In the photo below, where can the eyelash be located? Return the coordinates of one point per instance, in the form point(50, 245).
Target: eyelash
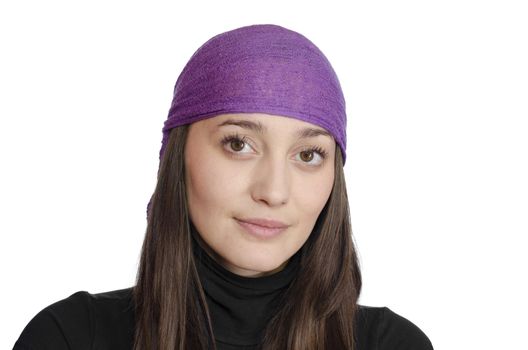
point(236, 137)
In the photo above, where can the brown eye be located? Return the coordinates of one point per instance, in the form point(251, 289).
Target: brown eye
point(306, 156)
point(237, 145)
point(313, 153)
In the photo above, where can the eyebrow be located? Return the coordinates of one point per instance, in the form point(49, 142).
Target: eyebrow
point(258, 127)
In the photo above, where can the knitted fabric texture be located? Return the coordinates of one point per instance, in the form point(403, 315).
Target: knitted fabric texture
point(262, 68)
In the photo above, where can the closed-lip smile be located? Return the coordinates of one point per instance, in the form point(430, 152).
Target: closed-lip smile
point(269, 223)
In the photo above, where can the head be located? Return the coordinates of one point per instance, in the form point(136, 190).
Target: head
point(256, 130)
point(242, 166)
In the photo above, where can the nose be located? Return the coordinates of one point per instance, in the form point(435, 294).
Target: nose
point(271, 181)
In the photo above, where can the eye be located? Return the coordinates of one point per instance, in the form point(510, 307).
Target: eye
point(307, 155)
point(235, 142)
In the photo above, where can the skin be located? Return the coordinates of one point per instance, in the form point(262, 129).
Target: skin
point(267, 175)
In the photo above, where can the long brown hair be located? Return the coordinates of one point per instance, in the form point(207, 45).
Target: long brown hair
point(318, 309)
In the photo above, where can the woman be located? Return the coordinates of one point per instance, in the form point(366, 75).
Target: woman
point(248, 242)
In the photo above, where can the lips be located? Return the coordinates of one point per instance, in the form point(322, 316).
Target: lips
point(262, 228)
point(268, 223)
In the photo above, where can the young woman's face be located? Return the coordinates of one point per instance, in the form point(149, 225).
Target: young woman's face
point(234, 172)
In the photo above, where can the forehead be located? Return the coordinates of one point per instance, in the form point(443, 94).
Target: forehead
point(267, 124)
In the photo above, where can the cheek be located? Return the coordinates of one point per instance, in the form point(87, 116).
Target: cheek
point(312, 195)
point(211, 183)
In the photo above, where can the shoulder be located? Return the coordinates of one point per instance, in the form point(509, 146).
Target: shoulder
point(381, 328)
point(81, 321)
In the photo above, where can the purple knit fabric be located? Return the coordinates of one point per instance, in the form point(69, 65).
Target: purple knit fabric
point(263, 68)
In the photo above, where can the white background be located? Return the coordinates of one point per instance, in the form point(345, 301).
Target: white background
point(437, 148)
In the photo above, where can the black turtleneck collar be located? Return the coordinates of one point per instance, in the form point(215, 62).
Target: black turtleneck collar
point(240, 306)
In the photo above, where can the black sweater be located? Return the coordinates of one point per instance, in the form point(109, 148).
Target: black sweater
point(239, 308)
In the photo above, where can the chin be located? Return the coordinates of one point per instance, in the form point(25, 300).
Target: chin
point(260, 266)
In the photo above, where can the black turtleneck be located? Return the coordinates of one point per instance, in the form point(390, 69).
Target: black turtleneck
point(240, 307)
